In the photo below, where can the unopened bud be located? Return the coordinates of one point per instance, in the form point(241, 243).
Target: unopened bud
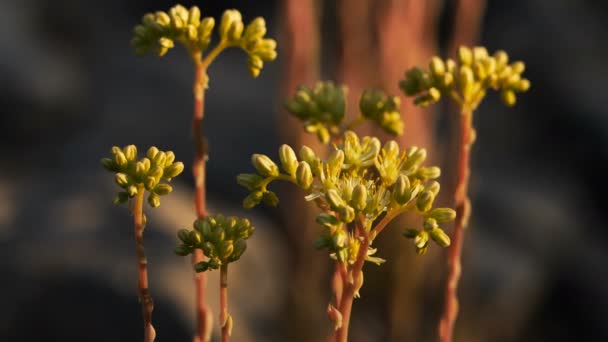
point(425, 201)
point(440, 237)
point(265, 166)
point(304, 175)
point(173, 170)
point(288, 158)
point(442, 214)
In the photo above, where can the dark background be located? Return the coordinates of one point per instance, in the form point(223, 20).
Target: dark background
point(535, 262)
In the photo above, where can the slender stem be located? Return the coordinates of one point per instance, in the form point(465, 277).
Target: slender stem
point(147, 304)
point(213, 54)
point(198, 171)
point(351, 286)
point(463, 210)
point(225, 319)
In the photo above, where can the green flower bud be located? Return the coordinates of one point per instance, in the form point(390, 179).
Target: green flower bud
point(304, 175)
point(401, 190)
point(288, 158)
point(270, 198)
point(182, 250)
point(163, 189)
point(173, 170)
point(359, 197)
point(121, 179)
point(410, 233)
point(195, 237)
point(253, 199)
point(327, 220)
point(335, 162)
point(430, 172)
point(442, 214)
point(264, 165)
point(108, 164)
point(425, 201)
point(250, 181)
point(440, 237)
point(184, 236)
point(240, 246)
point(154, 200)
point(201, 266)
point(121, 198)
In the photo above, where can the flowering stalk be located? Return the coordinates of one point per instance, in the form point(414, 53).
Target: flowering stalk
point(158, 32)
point(136, 176)
point(225, 321)
point(466, 82)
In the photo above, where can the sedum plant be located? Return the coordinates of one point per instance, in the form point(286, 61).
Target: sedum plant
point(360, 188)
point(135, 177)
point(223, 240)
point(157, 34)
point(465, 81)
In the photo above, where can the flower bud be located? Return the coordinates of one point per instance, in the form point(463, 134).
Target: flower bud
point(359, 197)
point(132, 191)
point(307, 154)
point(255, 30)
point(433, 187)
point(425, 201)
point(182, 250)
point(154, 200)
point(173, 170)
point(150, 183)
point(335, 162)
point(401, 190)
point(410, 233)
point(195, 237)
point(163, 189)
point(253, 199)
point(335, 316)
point(334, 199)
point(480, 53)
point(430, 224)
point(339, 239)
point(108, 164)
point(270, 198)
point(184, 236)
point(121, 179)
point(347, 213)
point(288, 158)
point(194, 16)
point(327, 220)
point(130, 152)
point(304, 175)
point(152, 151)
point(440, 237)
point(422, 239)
point(250, 181)
point(264, 165)
point(442, 214)
point(465, 56)
point(121, 198)
point(120, 159)
point(518, 67)
point(437, 66)
point(508, 97)
point(430, 172)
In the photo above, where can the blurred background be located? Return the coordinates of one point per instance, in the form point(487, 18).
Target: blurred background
point(536, 253)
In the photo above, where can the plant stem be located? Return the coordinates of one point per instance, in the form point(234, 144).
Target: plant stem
point(351, 286)
point(224, 315)
point(147, 304)
point(463, 210)
point(198, 171)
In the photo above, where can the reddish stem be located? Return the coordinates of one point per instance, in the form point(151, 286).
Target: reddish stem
point(225, 319)
point(198, 171)
point(463, 210)
point(147, 304)
point(351, 286)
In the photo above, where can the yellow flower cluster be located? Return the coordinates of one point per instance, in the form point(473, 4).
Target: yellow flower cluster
point(467, 80)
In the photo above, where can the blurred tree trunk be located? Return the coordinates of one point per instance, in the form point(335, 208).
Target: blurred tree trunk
point(307, 293)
